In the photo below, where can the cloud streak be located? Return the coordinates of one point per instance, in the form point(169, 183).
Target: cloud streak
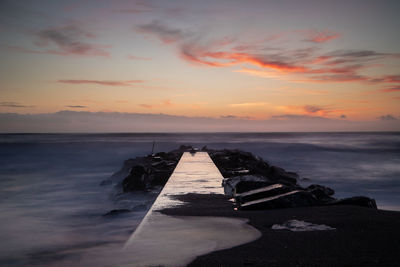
point(76, 106)
point(65, 40)
point(131, 57)
point(13, 105)
point(101, 82)
point(164, 103)
point(163, 32)
point(316, 36)
point(258, 58)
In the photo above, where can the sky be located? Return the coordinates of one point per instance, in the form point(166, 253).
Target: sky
point(126, 66)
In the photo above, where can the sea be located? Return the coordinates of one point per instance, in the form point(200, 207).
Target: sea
point(53, 208)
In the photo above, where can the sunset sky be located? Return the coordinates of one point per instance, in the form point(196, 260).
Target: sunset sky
point(199, 65)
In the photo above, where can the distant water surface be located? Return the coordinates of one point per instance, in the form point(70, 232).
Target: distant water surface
point(51, 204)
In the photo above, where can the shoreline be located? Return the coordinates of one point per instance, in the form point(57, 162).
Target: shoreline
point(363, 236)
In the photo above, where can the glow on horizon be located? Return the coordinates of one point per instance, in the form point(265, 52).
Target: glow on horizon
point(253, 60)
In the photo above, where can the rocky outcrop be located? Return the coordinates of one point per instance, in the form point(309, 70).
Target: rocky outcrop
point(255, 184)
point(251, 181)
point(146, 173)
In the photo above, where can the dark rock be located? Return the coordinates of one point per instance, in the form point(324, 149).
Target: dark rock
point(288, 200)
point(357, 201)
point(136, 180)
point(322, 193)
point(248, 178)
point(230, 184)
point(263, 192)
point(116, 212)
point(244, 186)
point(236, 162)
point(278, 174)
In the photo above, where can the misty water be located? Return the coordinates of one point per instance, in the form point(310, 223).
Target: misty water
point(52, 206)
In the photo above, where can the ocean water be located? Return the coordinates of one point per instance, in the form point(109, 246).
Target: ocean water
point(52, 206)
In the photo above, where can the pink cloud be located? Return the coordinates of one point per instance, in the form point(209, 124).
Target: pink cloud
point(316, 36)
point(308, 64)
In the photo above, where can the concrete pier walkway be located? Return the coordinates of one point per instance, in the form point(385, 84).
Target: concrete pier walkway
point(177, 240)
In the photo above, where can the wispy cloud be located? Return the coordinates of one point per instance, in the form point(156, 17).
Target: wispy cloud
point(162, 31)
point(132, 10)
point(308, 110)
point(319, 36)
point(298, 117)
point(248, 104)
point(101, 82)
point(137, 58)
point(146, 106)
point(312, 108)
point(164, 103)
point(391, 89)
point(76, 106)
point(65, 40)
point(388, 117)
point(259, 58)
point(234, 117)
point(14, 105)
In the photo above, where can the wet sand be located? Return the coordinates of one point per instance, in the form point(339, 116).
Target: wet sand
point(363, 236)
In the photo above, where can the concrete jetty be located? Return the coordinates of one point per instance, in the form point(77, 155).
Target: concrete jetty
point(177, 240)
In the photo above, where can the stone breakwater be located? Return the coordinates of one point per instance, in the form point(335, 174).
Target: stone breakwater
point(250, 180)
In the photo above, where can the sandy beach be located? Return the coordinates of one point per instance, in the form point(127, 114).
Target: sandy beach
point(362, 236)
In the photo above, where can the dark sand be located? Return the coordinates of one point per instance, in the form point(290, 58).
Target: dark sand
point(363, 236)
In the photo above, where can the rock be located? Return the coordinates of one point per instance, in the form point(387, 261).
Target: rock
point(292, 199)
point(279, 174)
point(357, 201)
point(246, 185)
point(264, 192)
point(236, 162)
point(322, 193)
point(136, 180)
point(230, 184)
point(253, 182)
point(146, 173)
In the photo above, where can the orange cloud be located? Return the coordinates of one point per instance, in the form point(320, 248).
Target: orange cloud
point(164, 103)
point(248, 104)
point(391, 89)
point(203, 55)
point(307, 64)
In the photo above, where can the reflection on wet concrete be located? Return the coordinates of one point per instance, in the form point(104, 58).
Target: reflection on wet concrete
point(177, 240)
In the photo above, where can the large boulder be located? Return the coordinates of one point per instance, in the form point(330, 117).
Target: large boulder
point(239, 184)
point(136, 180)
point(235, 163)
point(322, 193)
point(293, 199)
